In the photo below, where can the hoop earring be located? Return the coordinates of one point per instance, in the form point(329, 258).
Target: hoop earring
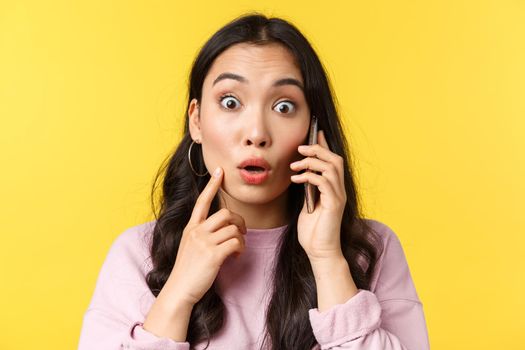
point(189, 160)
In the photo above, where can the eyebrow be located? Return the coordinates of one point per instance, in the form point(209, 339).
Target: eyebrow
point(241, 79)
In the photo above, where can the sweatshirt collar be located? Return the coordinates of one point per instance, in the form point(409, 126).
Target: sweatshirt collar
point(264, 238)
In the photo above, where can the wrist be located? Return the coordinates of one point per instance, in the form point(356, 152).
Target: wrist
point(334, 282)
point(331, 265)
point(168, 317)
point(171, 299)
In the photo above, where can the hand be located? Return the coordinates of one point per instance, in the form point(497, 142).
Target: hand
point(319, 232)
point(204, 246)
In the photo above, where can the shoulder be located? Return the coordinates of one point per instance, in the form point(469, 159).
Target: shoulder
point(131, 248)
point(391, 247)
point(381, 229)
point(391, 277)
point(121, 286)
point(135, 238)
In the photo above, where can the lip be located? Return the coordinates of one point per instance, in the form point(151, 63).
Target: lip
point(251, 177)
point(255, 161)
point(254, 178)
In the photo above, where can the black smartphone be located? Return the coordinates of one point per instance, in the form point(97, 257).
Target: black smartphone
point(310, 191)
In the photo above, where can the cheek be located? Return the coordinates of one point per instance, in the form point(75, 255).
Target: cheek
point(216, 126)
point(217, 145)
point(289, 145)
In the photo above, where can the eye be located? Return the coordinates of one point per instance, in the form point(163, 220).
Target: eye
point(228, 101)
point(286, 107)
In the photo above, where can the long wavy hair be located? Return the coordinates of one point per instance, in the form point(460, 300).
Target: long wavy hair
point(294, 291)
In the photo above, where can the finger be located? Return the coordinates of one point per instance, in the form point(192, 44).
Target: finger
point(326, 189)
point(202, 205)
point(322, 153)
point(232, 245)
point(225, 234)
point(224, 217)
point(315, 164)
point(319, 166)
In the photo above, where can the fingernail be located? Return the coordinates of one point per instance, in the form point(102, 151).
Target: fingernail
point(217, 172)
point(302, 147)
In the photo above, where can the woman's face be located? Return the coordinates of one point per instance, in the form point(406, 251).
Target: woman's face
point(252, 106)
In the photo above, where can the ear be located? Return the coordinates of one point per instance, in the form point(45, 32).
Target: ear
point(194, 120)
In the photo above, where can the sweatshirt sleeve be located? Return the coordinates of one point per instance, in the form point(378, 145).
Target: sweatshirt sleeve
point(121, 301)
point(389, 318)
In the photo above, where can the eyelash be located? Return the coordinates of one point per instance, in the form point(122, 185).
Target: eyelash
point(222, 97)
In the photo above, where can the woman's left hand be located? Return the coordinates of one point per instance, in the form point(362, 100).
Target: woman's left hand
point(319, 232)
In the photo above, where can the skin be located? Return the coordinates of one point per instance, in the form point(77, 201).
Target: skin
point(255, 126)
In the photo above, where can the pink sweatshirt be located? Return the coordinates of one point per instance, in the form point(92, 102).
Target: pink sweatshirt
point(390, 316)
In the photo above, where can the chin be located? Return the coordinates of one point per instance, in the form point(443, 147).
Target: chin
point(254, 196)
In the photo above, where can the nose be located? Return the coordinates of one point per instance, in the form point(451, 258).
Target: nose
point(256, 131)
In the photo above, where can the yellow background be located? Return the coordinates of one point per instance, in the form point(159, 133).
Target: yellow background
point(432, 93)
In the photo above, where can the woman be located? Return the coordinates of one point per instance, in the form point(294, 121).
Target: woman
point(234, 260)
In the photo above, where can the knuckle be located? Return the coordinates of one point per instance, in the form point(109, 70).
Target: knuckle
point(233, 229)
point(224, 212)
point(193, 233)
point(238, 242)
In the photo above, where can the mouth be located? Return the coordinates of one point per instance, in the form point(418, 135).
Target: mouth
point(254, 175)
point(254, 169)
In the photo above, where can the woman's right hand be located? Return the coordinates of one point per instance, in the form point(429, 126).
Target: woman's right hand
point(205, 244)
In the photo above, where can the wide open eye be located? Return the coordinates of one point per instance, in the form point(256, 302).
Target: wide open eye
point(229, 102)
point(286, 107)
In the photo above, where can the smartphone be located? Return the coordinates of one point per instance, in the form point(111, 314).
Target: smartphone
point(310, 191)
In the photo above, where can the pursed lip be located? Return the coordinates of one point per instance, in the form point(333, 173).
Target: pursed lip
point(255, 161)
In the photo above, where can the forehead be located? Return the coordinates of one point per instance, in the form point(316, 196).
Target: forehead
point(269, 60)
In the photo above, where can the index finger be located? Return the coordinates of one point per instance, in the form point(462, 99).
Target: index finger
point(202, 205)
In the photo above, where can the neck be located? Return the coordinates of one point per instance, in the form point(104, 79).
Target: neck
point(259, 215)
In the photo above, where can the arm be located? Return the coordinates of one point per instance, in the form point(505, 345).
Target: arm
point(167, 318)
point(115, 316)
point(334, 282)
point(391, 318)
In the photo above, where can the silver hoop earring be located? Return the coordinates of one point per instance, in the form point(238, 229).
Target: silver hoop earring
point(189, 160)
